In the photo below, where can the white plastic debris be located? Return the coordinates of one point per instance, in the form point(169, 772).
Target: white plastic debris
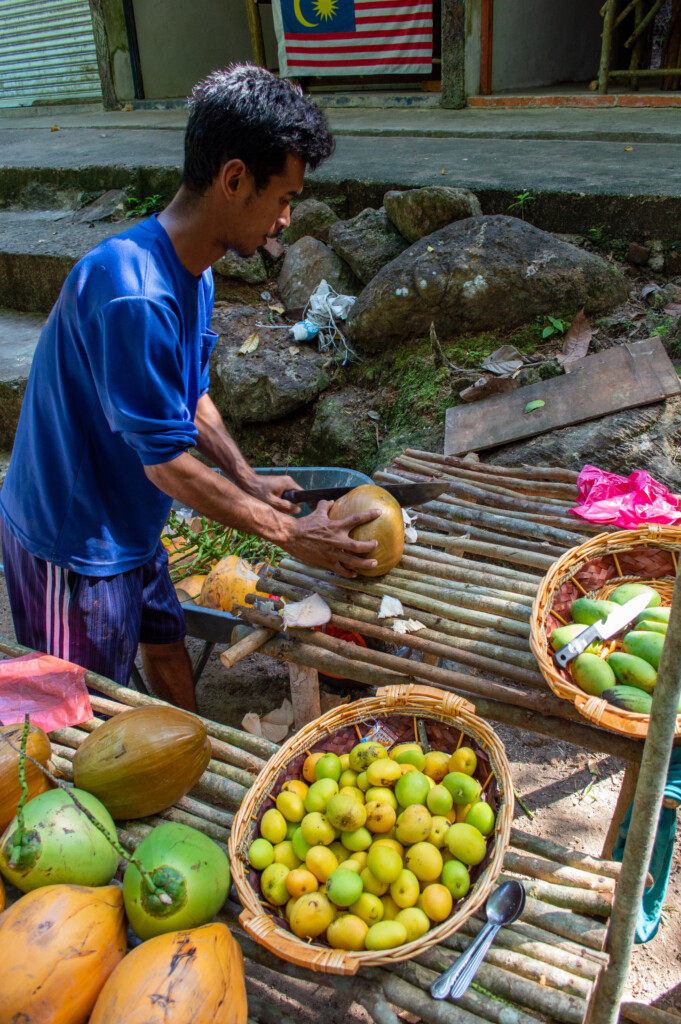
point(390, 607)
point(409, 517)
point(407, 626)
point(324, 308)
point(313, 611)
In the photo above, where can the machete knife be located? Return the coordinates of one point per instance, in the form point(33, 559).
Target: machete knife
point(408, 495)
point(602, 630)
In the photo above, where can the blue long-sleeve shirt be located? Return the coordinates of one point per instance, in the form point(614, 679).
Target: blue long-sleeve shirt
point(114, 386)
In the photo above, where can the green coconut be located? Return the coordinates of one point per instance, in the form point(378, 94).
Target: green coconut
point(59, 844)
point(191, 879)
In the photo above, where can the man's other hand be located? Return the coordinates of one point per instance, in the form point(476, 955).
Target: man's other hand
point(319, 540)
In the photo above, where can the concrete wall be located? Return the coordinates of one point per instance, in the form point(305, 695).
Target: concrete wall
point(180, 42)
point(543, 42)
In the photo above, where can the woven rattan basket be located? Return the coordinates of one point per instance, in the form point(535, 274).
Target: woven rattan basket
point(647, 555)
point(443, 714)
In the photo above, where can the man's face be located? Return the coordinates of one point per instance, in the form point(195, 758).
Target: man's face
point(257, 216)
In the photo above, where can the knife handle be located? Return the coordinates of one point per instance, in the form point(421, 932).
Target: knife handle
point(291, 496)
point(576, 647)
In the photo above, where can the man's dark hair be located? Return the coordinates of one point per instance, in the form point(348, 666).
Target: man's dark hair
point(244, 112)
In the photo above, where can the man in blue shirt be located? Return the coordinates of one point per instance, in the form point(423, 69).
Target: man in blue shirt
point(118, 394)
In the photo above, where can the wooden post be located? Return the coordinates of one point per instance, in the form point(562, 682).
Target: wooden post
point(606, 47)
point(453, 54)
point(304, 694)
point(645, 816)
point(255, 29)
point(626, 795)
point(103, 58)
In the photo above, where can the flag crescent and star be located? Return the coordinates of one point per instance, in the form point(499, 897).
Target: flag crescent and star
point(346, 37)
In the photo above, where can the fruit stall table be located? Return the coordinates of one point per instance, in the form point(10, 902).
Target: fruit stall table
point(470, 578)
point(544, 967)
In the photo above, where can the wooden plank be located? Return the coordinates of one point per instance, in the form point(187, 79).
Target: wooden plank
point(619, 378)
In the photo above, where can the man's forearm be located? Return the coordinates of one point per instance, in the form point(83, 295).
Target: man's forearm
point(195, 485)
point(216, 443)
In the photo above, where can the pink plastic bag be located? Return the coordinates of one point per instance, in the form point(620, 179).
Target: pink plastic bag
point(51, 691)
point(625, 501)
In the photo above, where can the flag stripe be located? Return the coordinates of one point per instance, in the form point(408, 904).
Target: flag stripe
point(401, 31)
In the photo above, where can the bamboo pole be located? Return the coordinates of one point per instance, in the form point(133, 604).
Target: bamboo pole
point(569, 924)
point(640, 1013)
point(644, 820)
point(219, 788)
point(572, 960)
point(496, 571)
point(489, 491)
point(496, 551)
point(583, 901)
point(571, 858)
point(424, 602)
point(353, 656)
point(464, 531)
point(458, 586)
point(258, 745)
point(578, 732)
point(517, 482)
point(507, 524)
point(539, 971)
point(228, 771)
point(549, 871)
point(456, 574)
point(207, 811)
point(220, 835)
point(364, 609)
point(467, 624)
point(529, 472)
point(550, 1002)
point(242, 648)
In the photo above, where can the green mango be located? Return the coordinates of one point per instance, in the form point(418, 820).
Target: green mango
point(653, 615)
point(652, 627)
point(592, 674)
point(564, 634)
point(628, 590)
point(587, 611)
point(632, 670)
point(630, 698)
point(645, 645)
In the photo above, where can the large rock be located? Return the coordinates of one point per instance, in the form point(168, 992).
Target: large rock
point(480, 274)
point(342, 434)
point(244, 268)
point(308, 262)
point(367, 242)
point(645, 438)
point(273, 381)
point(420, 211)
point(311, 217)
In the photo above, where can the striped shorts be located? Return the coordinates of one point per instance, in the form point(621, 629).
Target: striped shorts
point(93, 621)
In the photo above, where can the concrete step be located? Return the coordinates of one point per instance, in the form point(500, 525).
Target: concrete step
point(38, 248)
point(19, 333)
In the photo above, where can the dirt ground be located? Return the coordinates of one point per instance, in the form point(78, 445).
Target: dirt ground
point(570, 792)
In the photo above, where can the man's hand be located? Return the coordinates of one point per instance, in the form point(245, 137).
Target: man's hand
point(319, 540)
point(270, 488)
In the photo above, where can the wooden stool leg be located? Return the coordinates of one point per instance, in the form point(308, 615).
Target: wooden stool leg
point(304, 694)
point(625, 797)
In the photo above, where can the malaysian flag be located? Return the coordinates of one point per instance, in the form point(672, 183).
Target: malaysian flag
point(354, 37)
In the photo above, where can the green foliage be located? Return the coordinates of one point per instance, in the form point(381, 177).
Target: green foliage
point(520, 202)
point(554, 326)
point(662, 323)
point(597, 235)
point(144, 207)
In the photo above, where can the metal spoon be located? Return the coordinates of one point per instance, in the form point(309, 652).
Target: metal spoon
point(505, 905)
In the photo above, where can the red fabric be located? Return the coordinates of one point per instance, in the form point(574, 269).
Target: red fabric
point(625, 501)
point(51, 691)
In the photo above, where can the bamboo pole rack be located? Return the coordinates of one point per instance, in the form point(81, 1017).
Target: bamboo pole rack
point(542, 968)
point(469, 578)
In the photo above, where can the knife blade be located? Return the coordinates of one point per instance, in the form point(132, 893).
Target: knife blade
point(603, 629)
point(408, 495)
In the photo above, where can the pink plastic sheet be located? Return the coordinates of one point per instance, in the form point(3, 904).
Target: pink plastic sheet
point(51, 691)
point(625, 501)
